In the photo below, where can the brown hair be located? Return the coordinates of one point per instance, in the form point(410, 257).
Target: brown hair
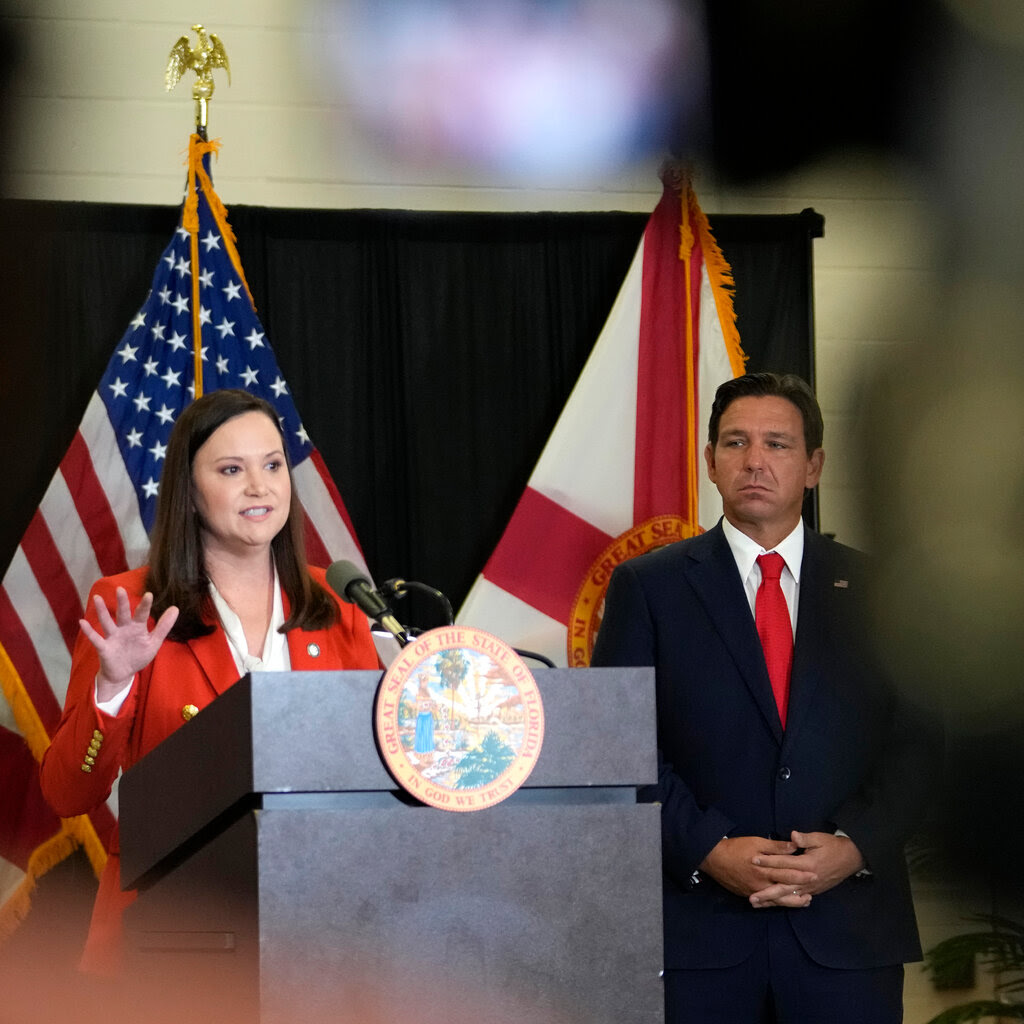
point(177, 575)
point(764, 385)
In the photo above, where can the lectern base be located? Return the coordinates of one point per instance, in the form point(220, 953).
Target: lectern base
point(535, 913)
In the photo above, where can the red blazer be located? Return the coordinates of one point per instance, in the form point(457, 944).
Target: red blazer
point(89, 747)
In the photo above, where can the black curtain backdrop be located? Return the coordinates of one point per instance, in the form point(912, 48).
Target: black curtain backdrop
point(429, 354)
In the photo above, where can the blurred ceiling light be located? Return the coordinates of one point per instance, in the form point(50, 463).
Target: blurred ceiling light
point(541, 91)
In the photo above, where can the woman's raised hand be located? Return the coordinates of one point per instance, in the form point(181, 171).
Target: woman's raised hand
point(126, 645)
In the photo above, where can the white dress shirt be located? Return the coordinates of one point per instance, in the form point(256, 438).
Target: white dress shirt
point(745, 552)
point(275, 656)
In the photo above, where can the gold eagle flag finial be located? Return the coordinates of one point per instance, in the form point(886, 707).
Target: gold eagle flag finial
point(202, 59)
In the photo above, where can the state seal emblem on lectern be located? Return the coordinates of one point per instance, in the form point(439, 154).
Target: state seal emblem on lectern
point(459, 719)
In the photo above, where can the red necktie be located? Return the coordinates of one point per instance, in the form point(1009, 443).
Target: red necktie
point(775, 628)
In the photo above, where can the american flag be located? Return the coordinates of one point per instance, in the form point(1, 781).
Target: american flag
point(95, 516)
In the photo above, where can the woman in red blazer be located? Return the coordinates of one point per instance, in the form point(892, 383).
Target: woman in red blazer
point(227, 590)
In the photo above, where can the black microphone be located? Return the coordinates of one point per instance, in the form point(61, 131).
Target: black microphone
point(349, 582)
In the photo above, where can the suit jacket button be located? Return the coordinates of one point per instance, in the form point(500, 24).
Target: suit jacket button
point(784, 773)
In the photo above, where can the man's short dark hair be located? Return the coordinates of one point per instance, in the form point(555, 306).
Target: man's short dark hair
point(767, 385)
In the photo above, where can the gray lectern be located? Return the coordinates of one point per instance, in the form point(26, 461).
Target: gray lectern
point(285, 878)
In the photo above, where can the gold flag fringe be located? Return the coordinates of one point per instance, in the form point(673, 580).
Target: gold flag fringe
point(30, 725)
point(74, 832)
point(198, 147)
point(723, 286)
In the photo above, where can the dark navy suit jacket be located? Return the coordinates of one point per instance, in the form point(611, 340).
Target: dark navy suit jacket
point(854, 755)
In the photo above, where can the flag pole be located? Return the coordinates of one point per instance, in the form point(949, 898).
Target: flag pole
point(202, 59)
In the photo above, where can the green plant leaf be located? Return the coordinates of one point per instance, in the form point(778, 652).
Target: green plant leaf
point(980, 1009)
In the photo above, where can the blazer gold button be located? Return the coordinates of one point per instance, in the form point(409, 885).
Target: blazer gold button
point(189, 711)
point(313, 650)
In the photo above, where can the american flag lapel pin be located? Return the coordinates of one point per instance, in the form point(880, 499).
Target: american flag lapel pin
point(842, 584)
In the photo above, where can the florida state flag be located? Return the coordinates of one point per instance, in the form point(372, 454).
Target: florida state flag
point(623, 469)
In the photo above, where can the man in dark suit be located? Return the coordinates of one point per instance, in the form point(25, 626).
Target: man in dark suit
point(786, 802)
